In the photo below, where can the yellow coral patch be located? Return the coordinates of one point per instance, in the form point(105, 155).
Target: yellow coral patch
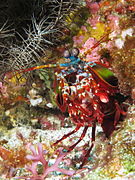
point(17, 78)
point(99, 31)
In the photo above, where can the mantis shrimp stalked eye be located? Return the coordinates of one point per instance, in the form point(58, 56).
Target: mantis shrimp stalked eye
point(66, 54)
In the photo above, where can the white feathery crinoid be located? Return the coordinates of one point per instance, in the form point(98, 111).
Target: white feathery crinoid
point(40, 35)
point(5, 31)
point(31, 48)
point(5, 34)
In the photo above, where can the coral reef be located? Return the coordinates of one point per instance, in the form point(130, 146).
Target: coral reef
point(36, 33)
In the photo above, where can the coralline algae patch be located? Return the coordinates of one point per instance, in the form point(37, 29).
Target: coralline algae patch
point(29, 114)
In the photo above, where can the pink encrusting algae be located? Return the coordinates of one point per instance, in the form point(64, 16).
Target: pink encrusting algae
point(91, 87)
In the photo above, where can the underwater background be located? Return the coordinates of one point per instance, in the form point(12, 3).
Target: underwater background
point(39, 99)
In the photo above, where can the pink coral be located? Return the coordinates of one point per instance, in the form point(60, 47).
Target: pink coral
point(93, 21)
point(78, 40)
point(38, 156)
point(113, 22)
point(93, 56)
point(110, 45)
point(89, 43)
point(3, 90)
point(93, 6)
point(83, 28)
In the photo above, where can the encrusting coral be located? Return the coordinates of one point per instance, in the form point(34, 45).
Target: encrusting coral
point(103, 33)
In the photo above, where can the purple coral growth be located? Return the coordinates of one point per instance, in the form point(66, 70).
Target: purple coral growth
point(38, 156)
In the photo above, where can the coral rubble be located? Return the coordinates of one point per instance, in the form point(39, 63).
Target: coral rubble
point(36, 33)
